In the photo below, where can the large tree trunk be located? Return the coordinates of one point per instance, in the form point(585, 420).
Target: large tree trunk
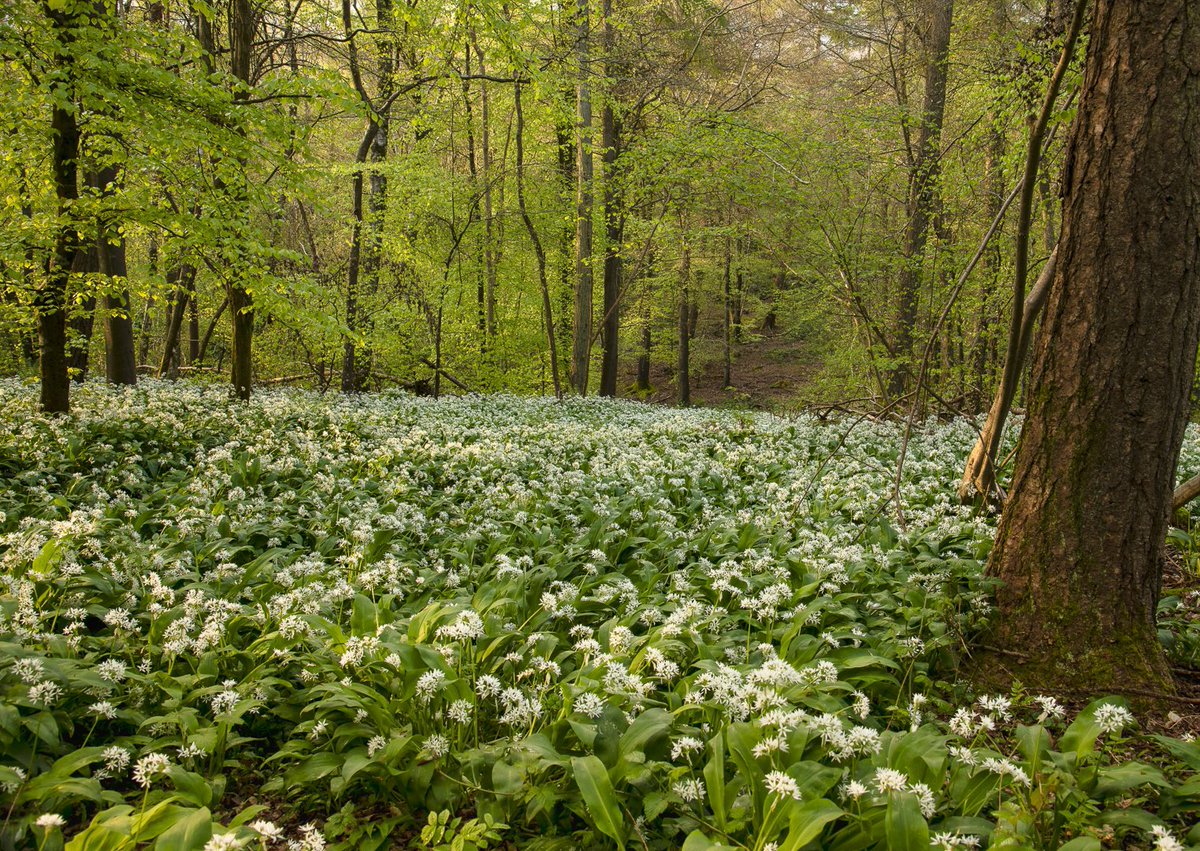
point(1079, 543)
point(922, 189)
point(50, 301)
point(581, 349)
point(120, 367)
point(241, 305)
point(119, 364)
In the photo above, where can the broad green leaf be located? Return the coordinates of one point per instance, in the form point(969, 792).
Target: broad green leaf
point(697, 841)
point(598, 796)
point(714, 779)
point(1080, 737)
point(1119, 778)
point(189, 833)
point(507, 779)
point(806, 820)
point(904, 826)
point(1081, 843)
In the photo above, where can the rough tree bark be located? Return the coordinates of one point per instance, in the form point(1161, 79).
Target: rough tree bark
point(1079, 545)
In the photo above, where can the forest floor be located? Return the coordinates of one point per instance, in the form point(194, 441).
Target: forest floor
point(589, 621)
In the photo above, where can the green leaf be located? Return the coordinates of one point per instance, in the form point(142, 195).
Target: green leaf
point(697, 841)
point(807, 820)
point(315, 767)
point(355, 762)
point(599, 797)
point(190, 833)
point(364, 619)
point(903, 824)
point(43, 726)
point(1186, 752)
point(507, 779)
point(1082, 843)
point(1130, 817)
point(1080, 737)
point(1122, 777)
point(191, 786)
point(714, 779)
point(646, 727)
point(654, 804)
point(1033, 742)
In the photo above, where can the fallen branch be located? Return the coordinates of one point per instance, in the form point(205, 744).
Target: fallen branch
point(447, 375)
point(283, 379)
point(1185, 493)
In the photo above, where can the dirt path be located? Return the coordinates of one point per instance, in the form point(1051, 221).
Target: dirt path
point(768, 373)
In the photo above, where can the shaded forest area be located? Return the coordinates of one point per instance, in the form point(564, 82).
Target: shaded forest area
point(623, 198)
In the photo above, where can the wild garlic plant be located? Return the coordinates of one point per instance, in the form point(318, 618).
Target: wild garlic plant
point(592, 622)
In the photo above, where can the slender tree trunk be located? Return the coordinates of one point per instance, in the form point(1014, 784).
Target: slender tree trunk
point(610, 140)
point(372, 261)
point(366, 238)
point(564, 133)
point(643, 364)
point(727, 378)
point(476, 198)
point(350, 370)
point(491, 239)
point(990, 277)
point(979, 477)
point(29, 346)
point(614, 234)
point(539, 251)
point(120, 366)
point(212, 326)
point(683, 368)
point(739, 289)
point(183, 278)
point(922, 191)
point(581, 350)
point(193, 326)
point(1079, 545)
point(86, 263)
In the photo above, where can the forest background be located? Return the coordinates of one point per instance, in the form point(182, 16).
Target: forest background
point(767, 201)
